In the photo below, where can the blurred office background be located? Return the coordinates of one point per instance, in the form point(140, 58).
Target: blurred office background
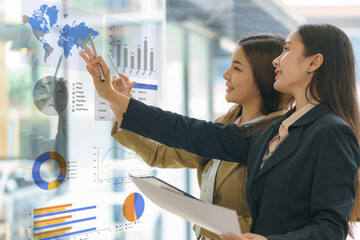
point(195, 43)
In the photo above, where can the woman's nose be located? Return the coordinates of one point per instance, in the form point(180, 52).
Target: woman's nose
point(275, 62)
point(226, 75)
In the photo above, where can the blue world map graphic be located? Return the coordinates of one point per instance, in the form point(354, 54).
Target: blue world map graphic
point(44, 22)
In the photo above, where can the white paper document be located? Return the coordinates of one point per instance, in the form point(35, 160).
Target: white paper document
point(214, 218)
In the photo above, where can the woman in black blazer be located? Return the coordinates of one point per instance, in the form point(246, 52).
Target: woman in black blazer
point(302, 168)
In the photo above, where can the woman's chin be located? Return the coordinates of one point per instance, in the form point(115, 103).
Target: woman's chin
point(277, 86)
point(227, 98)
point(283, 88)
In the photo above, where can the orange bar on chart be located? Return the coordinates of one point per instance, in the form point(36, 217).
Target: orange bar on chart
point(52, 219)
point(53, 207)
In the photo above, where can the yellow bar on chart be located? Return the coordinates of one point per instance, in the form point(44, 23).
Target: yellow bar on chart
point(49, 223)
point(49, 211)
point(50, 235)
point(57, 231)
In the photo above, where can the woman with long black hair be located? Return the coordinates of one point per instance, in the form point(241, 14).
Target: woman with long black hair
point(302, 168)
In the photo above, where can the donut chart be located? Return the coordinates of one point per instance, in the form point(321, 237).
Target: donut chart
point(134, 207)
point(50, 95)
point(36, 170)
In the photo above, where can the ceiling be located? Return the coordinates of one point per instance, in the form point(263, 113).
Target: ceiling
point(234, 19)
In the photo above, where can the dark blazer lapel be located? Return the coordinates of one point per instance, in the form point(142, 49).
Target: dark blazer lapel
point(291, 142)
point(257, 157)
point(254, 166)
point(264, 145)
point(286, 148)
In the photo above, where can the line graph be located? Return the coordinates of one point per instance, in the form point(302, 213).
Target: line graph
point(116, 162)
point(129, 154)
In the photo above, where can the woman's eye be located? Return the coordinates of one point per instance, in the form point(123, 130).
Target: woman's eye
point(237, 69)
point(285, 49)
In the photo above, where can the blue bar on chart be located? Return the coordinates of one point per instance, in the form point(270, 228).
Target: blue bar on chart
point(146, 86)
point(59, 221)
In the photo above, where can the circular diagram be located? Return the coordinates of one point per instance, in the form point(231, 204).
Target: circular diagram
point(50, 95)
point(134, 206)
point(36, 170)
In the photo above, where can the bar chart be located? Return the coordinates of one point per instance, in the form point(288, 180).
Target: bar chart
point(142, 66)
point(64, 220)
point(134, 48)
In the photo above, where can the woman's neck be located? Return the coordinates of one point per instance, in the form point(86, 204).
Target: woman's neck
point(301, 100)
point(249, 112)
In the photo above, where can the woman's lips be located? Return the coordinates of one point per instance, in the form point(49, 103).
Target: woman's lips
point(277, 72)
point(228, 89)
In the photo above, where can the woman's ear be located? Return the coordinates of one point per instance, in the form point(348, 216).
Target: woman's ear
point(317, 61)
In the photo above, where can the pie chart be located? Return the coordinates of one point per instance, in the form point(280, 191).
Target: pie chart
point(41, 183)
point(134, 206)
point(50, 95)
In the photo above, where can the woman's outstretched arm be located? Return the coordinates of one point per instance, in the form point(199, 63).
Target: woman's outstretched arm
point(207, 139)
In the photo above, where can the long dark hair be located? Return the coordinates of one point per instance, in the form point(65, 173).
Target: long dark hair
point(334, 82)
point(260, 50)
